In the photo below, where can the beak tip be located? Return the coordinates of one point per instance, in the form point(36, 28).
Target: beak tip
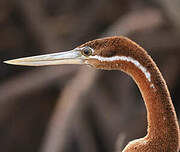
point(9, 62)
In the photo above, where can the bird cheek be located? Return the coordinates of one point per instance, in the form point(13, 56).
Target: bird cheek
point(90, 62)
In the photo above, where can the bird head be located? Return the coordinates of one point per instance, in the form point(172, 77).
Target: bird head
point(105, 53)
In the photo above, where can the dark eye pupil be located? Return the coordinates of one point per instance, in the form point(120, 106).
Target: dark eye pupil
point(87, 51)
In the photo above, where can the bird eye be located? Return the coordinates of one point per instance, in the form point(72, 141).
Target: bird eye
point(87, 51)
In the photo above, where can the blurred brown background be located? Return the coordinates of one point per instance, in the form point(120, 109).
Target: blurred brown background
point(76, 108)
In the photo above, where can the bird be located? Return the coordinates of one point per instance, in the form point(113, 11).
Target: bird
point(121, 53)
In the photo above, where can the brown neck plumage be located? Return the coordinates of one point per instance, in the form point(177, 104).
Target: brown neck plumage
point(161, 116)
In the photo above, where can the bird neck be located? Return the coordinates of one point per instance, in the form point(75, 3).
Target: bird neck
point(161, 116)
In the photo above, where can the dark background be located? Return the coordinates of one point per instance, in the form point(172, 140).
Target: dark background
point(76, 108)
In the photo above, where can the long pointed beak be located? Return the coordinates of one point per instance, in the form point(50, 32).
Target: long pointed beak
point(69, 57)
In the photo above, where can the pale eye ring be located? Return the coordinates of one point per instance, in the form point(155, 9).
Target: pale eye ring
point(87, 51)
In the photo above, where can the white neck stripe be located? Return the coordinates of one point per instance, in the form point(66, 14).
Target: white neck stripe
point(124, 58)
